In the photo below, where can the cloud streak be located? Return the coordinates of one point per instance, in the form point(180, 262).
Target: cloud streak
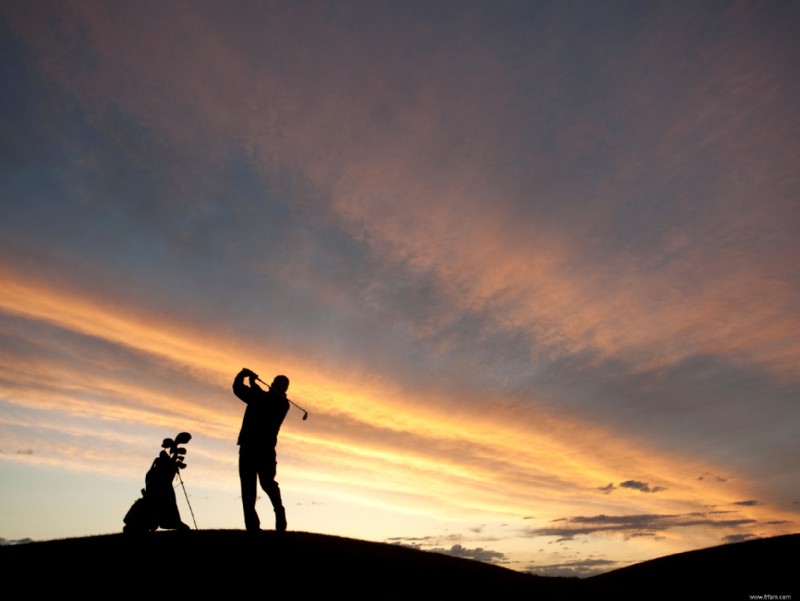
point(374, 434)
point(631, 526)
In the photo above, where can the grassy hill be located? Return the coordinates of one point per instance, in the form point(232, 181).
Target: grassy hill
point(766, 566)
point(314, 565)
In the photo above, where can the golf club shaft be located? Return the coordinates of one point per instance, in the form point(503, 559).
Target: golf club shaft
point(287, 398)
point(185, 494)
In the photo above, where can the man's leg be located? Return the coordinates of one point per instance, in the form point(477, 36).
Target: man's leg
point(266, 475)
point(247, 478)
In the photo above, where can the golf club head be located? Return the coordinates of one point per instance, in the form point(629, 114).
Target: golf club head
point(305, 415)
point(180, 451)
point(183, 438)
point(167, 442)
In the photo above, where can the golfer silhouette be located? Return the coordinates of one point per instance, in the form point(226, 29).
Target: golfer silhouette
point(265, 412)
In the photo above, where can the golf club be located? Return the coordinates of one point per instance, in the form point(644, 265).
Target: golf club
point(185, 494)
point(177, 456)
point(305, 413)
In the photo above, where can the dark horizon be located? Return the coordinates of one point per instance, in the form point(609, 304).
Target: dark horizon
point(757, 567)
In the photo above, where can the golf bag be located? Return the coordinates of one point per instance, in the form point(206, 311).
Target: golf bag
point(158, 507)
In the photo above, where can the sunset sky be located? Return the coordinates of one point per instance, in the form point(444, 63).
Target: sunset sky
point(533, 268)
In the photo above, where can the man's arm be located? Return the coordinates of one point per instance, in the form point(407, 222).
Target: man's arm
point(245, 393)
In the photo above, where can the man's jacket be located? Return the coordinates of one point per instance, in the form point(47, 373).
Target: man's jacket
point(263, 417)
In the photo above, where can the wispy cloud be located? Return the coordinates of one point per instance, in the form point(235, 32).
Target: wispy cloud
point(738, 538)
point(632, 484)
point(478, 553)
point(24, 541)
point(712, 477)
point(640, 486)
point(579, 568)
point(630, 526)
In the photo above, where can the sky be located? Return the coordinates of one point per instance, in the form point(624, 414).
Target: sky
point(532, 268)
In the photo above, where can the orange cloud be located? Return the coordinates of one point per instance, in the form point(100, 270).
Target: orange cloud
point(461, 206)
point(368, 440)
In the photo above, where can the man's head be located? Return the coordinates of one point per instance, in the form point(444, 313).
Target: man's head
point(280, 384)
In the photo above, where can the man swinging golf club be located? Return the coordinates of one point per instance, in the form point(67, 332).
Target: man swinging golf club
point(263, 417)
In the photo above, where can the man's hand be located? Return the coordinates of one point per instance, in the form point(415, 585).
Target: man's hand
point(249, 373)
